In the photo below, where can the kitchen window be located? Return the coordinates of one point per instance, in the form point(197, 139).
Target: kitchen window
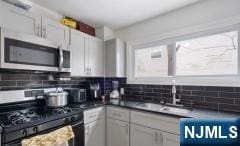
point(210, 55)
point(210, 58)
point(151, 61)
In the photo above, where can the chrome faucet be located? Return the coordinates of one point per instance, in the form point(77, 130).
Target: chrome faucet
point(174, 91)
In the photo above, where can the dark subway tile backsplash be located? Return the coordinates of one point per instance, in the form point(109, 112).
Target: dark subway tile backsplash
point(14, 76)
point(15, 80)
point(8, 83)
point(208, 97)
point(216, 98)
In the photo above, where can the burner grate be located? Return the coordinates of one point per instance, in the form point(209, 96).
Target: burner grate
point(63, 110)
point(21, 117)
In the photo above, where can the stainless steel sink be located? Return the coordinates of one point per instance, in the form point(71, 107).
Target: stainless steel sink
point(128, 103)
point(176, 110)
point(123, 102)
point(163, 108)
point(150, 106)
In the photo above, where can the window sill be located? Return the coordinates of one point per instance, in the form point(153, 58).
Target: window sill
point(230, 81)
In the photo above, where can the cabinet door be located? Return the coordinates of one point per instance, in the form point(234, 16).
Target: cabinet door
point(117, 133)
point(95, 133)
point(170, 139)
point(77, 46)
point(95, 54)
point(114, 58)
point(143, 136)
point(19, 20)
point(110, 56)
point(55, 32)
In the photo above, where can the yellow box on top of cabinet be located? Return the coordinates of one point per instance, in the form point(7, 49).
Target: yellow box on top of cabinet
point(69, 22)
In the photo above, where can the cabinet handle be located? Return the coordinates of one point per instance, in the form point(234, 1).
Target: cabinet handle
point(38, 30)
point(127, 129)
point(161, 139)
point(44, 32)
point(156, 138)
point(117, 115)
point(92, 116)
point(87, 130)
point(88, 71)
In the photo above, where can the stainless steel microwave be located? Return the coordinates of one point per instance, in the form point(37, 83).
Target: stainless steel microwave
point(26, 52)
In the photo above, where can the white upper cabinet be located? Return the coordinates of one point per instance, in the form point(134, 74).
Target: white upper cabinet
point(77, 46)
point(117, 133)
point(87, 55)
point(22, 21)
point(55, 32)
point(115, 58)
point(95, 57)
point(19, 20)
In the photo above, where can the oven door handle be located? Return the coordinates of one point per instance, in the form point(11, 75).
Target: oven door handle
point(76, 124)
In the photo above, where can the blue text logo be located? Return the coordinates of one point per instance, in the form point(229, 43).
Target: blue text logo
point(210, 132)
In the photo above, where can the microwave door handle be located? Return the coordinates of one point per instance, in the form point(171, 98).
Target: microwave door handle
point(60, 58)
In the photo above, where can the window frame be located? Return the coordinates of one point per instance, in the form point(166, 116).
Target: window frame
point(170, 61)
point(195, 80)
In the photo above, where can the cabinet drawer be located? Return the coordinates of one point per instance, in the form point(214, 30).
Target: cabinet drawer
point(93, 114)
point(118, 113)
point(160, 122)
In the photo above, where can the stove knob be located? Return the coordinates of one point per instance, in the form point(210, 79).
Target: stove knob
point(35, 129)
point(73, 119)
point(67, 121)
point(24, 132)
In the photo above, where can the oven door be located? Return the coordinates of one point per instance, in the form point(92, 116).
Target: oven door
point(78, 140)
point(20, 51)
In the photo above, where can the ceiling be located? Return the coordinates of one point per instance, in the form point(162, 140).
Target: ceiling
point(115, 14)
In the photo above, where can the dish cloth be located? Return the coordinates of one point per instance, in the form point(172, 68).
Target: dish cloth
point(58, 137)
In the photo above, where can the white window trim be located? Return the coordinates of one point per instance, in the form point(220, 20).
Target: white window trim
point(218, 80)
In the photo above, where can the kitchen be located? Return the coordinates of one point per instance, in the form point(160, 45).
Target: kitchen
point(116, 73)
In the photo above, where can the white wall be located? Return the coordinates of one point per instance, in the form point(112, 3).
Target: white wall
point(204, 12)
point(45, 12)
point(39, 10)
point(105, 33)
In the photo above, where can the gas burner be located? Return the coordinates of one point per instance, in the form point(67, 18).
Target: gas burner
point(62, 110)
point(21, 117)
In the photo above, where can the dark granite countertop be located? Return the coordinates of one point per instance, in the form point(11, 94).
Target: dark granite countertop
point(192, 113)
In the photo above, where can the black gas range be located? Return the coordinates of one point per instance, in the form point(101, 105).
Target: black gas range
point(20, 124)
point(28, 119)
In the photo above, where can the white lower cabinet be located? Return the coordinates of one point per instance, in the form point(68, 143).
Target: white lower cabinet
point(144, 136)
point(170, 139)
point(95, 133)
point(129, 128)
point(94, 126)
point(117, 133)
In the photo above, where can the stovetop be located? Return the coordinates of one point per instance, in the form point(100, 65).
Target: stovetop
point(30, 116)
